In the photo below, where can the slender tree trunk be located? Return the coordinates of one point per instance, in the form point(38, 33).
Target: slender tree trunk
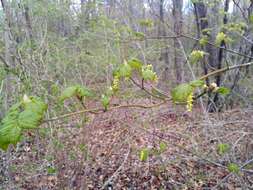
point(178, 25)
point(216, 102)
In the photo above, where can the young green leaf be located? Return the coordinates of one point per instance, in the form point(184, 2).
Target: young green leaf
point(181, 93)
point(125, 70)
point(144, 155)
point(77, 90)
point(197, 83)
point(148, 73)
point(162, 147)
point(223, 91)
point(25, 115)
point(10, 132)
point(233, 168)
point(222, 37)
point(68, 93)
point(105, 100)
point(196, 56)
point(222, 148)
point(135, 64)
point(29, 119)
point(139, 35)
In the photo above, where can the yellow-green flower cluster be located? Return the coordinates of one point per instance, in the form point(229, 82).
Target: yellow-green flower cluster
point(115, 83)
point(189, 102)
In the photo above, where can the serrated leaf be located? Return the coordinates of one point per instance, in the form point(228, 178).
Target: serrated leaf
point(10, 132)
point(233, 168)
point(222, 148)
point(144, 155)
point(197, 83)
point(16, 120)
point(29, 119)
point(36, 105)
point(223, 91)
point(181, 93)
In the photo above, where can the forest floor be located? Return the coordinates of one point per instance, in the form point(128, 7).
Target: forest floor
point(105, 151)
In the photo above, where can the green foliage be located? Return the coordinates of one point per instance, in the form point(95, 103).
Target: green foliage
point(223, 91)
point(105, 100)
point(181, 93)
point(196, 56)
point(139, 35)
point(125, 70)
point(148, 73)
point(51, 170)
point(26, 114)
point(162, 147)
point(203, 41)
point(236, 27)
point(144, 154)
point(77, 90)
point(233, 168)
point(135, 64)
point(197, 83)
point(222, 148)
point(222, 37)
point(10, 131)
point(146, 22)
point(251, 19)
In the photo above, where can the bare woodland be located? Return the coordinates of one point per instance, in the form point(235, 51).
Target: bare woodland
point(126, 94)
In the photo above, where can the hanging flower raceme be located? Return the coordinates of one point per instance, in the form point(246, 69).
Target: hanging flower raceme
point(189, 102)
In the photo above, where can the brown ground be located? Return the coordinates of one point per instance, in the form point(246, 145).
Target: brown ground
point(84, 155)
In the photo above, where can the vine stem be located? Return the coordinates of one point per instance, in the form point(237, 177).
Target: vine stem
point(101, 110)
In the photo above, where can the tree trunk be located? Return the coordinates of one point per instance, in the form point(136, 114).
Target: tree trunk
point(178, 25)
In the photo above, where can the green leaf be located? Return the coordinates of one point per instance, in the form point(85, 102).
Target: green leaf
point(196, 56)
point(10, 132)
point(125, 70)
point(35, 105)
point(51, 170)
point(105, 100)
point(16, 120)
point(181, 93)
point(83, 92)
point(251, 19)
point(77, 90)
point(223, 91)
point(135, 64)
point(68, 93)
point(222, 148)
point(139, 35)
point(29, 119)
point(148, 73)
point(197, 83)
point(144, 155)
point(146, 22)
point(162, 147)
point(233, 168)
point(222, 37)
point(203, 41)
